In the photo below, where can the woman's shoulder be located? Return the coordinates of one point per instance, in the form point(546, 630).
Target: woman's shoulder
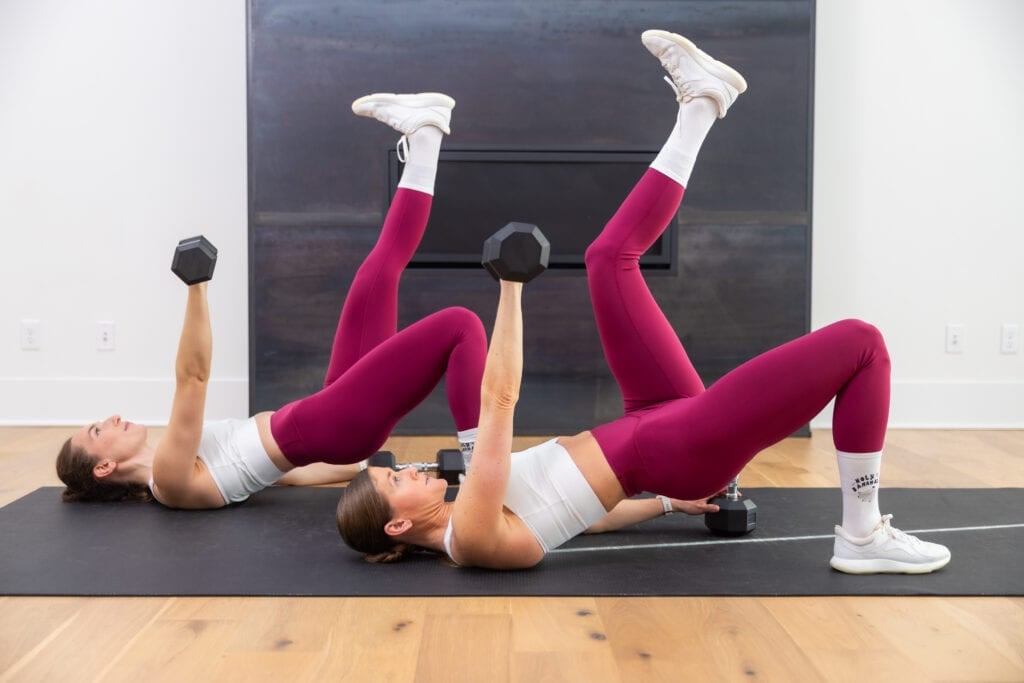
point(510, 546)
point(200, 492)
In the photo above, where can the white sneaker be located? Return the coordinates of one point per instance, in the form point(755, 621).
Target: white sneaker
point(886, 550)
point(406, 113)
point(693, 73)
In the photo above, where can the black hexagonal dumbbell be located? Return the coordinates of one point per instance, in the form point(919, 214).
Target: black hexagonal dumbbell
point(383, 459)
point(735, 516)
point(194, 260)
point(518, 252)
point(449, 464)
point(450, 467)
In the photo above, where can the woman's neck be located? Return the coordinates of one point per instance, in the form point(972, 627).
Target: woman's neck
point(138, 469)
point(432, 528)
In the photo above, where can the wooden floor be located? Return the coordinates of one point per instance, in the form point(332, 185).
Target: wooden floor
point(537, 639)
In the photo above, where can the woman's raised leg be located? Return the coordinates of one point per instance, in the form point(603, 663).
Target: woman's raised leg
point(642, 350)
point(370, 312)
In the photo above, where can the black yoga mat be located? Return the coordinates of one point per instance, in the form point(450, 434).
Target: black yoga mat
point(283, 542)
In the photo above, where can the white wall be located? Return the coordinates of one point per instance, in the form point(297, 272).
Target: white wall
point(919, 171)
point(122, 129)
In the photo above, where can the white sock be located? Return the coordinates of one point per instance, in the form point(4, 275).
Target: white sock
point(677, 157)
point(421, 163)
point(858, 477)
point(467, 439)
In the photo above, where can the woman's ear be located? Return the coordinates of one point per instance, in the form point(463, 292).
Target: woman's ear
point(104, 468)
point(397, 527)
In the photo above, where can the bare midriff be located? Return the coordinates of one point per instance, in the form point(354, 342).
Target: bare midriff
point(588, 456)
point(269, 444)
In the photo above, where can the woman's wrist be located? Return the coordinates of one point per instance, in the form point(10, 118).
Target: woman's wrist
point(511, 286)
point(666, 505)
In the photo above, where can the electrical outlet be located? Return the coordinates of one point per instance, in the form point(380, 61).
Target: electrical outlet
point(1010, 339)
point(30, 335)
point(954, 338)
point(104, 335)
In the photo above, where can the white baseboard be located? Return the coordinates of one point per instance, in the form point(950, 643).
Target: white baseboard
point(950, 405)
point(36, 401)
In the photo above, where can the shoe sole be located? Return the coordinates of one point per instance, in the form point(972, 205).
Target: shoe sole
point(422, 99)
point(850, 566)
point(711, 65)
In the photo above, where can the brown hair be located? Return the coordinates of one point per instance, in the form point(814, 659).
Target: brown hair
point(362, 514)
point(74, 467)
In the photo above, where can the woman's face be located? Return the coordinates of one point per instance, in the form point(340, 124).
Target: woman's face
point(113, 438)
point(408, 491)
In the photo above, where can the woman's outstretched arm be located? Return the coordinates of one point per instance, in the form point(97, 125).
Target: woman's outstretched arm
point(174, 465)
point(482, 533)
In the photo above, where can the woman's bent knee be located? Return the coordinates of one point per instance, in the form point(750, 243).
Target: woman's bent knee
point(462, 319)
point(866, 335)
point(601, 253)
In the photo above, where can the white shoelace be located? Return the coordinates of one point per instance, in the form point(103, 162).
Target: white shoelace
point(683, 94)
point(672, 85)
point(895, 533)
point(402, 148)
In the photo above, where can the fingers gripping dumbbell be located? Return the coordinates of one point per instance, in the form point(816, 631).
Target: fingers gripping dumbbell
point(194, 260)
point(449, 464)
point(518, 252)
point(735, 517)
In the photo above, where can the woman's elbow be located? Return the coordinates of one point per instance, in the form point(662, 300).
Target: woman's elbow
point(192, 374)
point(501, 398)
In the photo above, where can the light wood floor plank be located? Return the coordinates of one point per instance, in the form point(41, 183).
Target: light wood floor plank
point(27, 625)
point(465, 647)
point(85, 641)
point(558, 639)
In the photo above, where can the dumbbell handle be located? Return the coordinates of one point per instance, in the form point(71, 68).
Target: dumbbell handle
point(420, 466)
point(732, 491)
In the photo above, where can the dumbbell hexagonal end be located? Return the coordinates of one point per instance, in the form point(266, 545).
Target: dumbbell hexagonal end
point(382, 459)
point(450, 465)
point(194, 260)
point(734, 517)
point(518, 252)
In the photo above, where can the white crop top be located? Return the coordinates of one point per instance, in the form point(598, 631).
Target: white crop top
point(549, 493)
point(236, 459)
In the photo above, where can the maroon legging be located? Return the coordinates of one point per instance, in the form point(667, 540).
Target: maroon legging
point(677, 438)
point(376, 374)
